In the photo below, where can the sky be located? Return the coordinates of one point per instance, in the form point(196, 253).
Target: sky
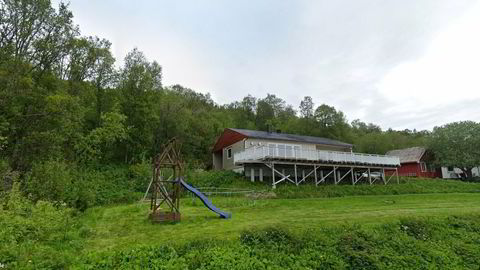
point(399, 64)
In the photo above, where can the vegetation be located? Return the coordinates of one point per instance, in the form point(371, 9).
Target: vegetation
point(121, 236)
point(412, 243)
point(457, 145)
point(408, 185)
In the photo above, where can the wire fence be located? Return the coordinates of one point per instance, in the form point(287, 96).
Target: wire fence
point(208, 191)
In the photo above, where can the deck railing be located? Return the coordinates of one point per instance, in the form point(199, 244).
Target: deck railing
point(269, 152)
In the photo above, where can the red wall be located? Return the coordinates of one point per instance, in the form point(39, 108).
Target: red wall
point(414, 169)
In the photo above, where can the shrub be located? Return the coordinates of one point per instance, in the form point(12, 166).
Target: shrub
point(50, 180)
point(154, 257)
point(36, 235)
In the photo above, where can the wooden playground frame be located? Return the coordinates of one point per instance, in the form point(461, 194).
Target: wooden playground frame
point(167, 165)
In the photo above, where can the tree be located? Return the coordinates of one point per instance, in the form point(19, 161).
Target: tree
point(457, 145)
point(331, 123)
point(265, 117)
point(306, 107)
point(34, 32)
point(141, 86)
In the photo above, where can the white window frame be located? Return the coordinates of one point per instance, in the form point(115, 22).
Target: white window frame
point(231, 152)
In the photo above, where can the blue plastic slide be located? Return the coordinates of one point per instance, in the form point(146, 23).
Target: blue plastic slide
point(205, 200)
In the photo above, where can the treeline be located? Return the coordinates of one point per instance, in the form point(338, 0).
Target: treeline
point(63, 98)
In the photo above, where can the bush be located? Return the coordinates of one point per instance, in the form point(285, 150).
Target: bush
point(159, 257)
point(83, 187)
point(52, 181)
point(7, 177)
point(36, 235)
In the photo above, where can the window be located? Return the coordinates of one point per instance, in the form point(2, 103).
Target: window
point(229, 153)
point(283, 150)
point(423, 166)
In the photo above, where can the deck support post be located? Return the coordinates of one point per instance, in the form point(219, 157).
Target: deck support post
point(252, 174)
point(383, 176)
point(340, 177)
point(296, 179)
point(369, 177)
point(283, 176)
point(353, 177)
point(334, 175)
point(321, 176)
point(398, 180)
point(303, 175)
point(273, 176)
point(315, 172)
point(260, 174)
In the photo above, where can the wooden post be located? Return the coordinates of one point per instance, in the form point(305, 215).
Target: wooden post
point(353, 178)
point(321, 176)
point(334, 175)
point(383, 176)
point(273, 176)
point(303, 175)
point(396, 172)
point(296, 180)
point(260, 174)
point(369, 177)
point(252, 174)
point(315, 172)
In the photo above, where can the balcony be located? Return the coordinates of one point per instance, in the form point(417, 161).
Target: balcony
point(265, 153)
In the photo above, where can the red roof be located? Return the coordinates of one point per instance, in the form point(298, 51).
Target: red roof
point(227, 138)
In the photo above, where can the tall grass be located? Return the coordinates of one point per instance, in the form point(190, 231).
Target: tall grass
point(411, 243)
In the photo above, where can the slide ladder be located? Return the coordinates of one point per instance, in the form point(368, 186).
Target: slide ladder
point(205, 200)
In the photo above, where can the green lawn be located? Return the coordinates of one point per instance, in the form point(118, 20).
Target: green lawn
point(118, 227)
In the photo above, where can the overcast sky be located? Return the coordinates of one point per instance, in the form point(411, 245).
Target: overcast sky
point(400, 64)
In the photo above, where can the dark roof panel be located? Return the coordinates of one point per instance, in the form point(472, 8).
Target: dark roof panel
point(289, 137)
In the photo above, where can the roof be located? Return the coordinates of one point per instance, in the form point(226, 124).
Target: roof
point(289, 137)
point(407, 155)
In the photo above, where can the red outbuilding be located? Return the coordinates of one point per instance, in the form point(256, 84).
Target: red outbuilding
point(417, 162)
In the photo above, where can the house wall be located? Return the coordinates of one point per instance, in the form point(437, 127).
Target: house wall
point(217, 158)
point(253, 142)
point(227, 163)
point(415, 169)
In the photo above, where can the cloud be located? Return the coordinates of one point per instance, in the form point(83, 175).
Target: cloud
point(375, 60)
point(443, 84)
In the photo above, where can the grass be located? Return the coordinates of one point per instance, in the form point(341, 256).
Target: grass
point(117, 227)
point(407, 185)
